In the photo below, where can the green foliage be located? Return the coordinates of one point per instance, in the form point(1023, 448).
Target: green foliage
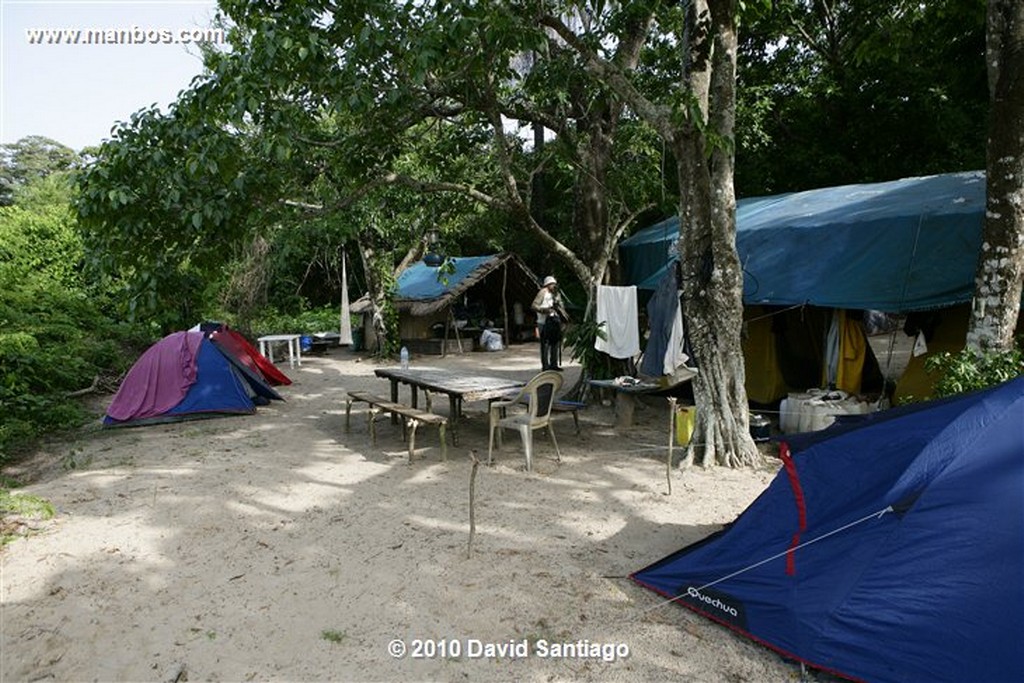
point(38, 235)
point(869, 90)
point(58, 342)
point(445, 270)
point(55, 337)
point(334, 636)
point(23, 506)
point(272, 321)
point(162, 205)
point(969, 370)
point(580, 337)
point(30, 159)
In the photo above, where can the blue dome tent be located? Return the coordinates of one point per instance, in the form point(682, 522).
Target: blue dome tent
point(185, 376)
point(892, 550)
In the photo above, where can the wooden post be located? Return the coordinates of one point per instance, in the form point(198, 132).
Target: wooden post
point(449, 322)
point(671, 440)
point(625, 404)
point(472, 503)
point(458, 339)
point(413, 424)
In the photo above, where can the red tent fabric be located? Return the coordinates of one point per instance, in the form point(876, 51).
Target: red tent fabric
point(245, 352)
point(159, 379)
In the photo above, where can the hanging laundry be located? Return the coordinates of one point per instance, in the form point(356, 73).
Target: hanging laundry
point(617, 309)
point(667, 347)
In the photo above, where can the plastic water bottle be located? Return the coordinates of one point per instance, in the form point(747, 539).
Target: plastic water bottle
point(405, 358)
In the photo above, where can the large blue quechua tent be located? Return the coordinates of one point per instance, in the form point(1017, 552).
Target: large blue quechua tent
point(895, 246)
point(888, 551)
point(185, 376)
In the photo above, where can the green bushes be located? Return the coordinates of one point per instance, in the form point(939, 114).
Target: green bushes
point(969, 370)
point(55, 342)
point(55, 339)
point(271, 321)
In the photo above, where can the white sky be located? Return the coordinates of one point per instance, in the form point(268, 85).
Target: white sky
point(75, 93)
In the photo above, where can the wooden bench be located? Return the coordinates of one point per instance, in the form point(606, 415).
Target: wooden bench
point(413, 417)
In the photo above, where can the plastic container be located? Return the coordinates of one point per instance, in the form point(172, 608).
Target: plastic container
point(790, 411)
point(405, 358)
point(306, 343)
point(760, 428)
point(686, 421)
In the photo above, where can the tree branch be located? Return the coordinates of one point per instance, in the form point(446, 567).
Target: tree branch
point(657, 116)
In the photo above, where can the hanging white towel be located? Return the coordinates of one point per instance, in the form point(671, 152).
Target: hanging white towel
point(617, 309)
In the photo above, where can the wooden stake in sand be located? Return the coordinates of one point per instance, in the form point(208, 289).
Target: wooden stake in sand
point(671, 440)
point(472, 504)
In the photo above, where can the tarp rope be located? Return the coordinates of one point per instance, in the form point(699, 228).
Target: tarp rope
point(775, 313)
point(865, 518)
point(903, 294)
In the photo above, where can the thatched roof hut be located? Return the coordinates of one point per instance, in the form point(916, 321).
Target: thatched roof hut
point(441, 311)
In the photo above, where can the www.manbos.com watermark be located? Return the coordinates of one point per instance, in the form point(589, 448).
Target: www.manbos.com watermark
point(135, 35)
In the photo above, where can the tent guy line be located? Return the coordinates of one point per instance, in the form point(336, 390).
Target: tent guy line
point(913, 260)
point(787, 551)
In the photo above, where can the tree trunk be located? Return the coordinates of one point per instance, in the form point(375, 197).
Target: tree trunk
point(591, 217)
point(712, 276)
point(997, 288)
point(700, 126)
point(378, 295)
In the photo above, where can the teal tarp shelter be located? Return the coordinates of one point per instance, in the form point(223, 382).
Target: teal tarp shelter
point(897, 246)
point(496, 288)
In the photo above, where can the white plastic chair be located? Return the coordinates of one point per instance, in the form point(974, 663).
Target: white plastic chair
point(539, 397)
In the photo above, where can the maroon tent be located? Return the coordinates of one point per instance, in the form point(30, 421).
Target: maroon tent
point(239, 347)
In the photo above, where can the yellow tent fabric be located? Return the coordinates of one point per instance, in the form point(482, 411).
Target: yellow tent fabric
point(948, 334)
point(853, 346)
point(784, 351)
point(764, 380)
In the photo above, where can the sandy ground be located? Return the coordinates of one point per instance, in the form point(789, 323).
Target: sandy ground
point(278, 547)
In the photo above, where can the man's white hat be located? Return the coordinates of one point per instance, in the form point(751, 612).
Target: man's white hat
point(550, 280)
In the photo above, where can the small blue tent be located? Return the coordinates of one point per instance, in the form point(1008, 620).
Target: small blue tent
point(186, 376)
point(888, 551)
point(897, 246)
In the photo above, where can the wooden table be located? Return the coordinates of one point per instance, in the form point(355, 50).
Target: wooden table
point(458, 387)
point(625, 398)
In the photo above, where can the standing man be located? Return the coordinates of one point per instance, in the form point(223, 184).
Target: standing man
point(547, 304)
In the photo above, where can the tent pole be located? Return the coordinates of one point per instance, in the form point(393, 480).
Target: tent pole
point(504, 300)
point(345, 327)
point(458, 339)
